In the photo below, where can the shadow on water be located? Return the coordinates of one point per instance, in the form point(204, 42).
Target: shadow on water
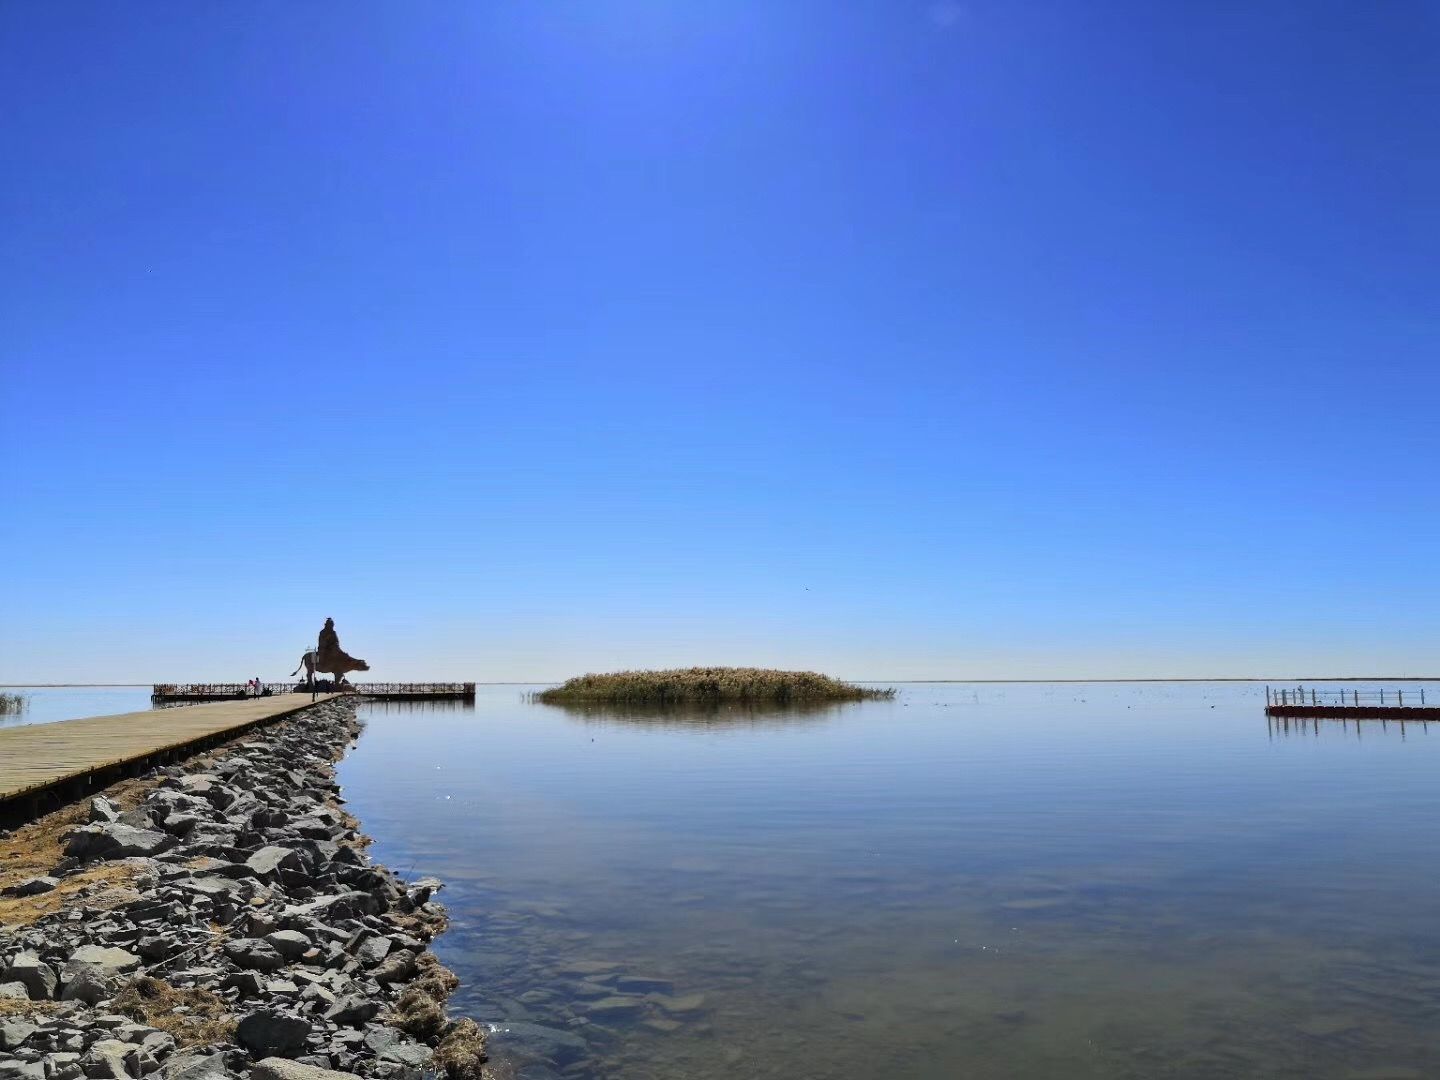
point(680, 717)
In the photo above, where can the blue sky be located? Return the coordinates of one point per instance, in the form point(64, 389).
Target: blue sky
point(895, 340)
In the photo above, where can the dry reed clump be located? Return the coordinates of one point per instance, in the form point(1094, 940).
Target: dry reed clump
point(434, 978)
point(206, 1019)
point(708, 686)
point(420, 1013)
point(462, 1051)
point(420, 1009)
point(11, 704)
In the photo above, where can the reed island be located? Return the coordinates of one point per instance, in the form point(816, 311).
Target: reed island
point(708, 686)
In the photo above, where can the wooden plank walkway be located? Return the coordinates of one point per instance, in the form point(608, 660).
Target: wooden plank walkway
point(38, 758)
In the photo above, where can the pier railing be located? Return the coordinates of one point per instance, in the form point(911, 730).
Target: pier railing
point(1340, 698)
point(395, 691)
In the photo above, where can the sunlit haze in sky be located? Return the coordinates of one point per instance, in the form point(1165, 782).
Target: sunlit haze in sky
point(892, 340)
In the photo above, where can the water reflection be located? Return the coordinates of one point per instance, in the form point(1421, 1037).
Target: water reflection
point(702, 716)
point(1350, 727)
point(417, 708)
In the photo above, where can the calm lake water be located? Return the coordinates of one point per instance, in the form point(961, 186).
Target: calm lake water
point(1028, 881)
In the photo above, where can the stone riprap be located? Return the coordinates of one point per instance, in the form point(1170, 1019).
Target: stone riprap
point(260, 940)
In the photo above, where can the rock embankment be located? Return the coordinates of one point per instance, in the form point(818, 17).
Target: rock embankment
point(230, 925)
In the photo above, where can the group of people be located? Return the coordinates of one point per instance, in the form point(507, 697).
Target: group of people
point(254, 687)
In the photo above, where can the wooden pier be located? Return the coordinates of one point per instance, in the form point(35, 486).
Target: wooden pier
point(166, 693)
point(1346, 704)
point(42, 765)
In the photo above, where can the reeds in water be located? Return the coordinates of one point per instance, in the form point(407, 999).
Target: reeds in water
point(708, 686)
point(11, 704)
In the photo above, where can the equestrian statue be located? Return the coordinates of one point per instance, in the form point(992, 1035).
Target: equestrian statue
point(328, 658)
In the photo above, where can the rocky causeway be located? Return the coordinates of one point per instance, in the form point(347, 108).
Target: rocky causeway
point(220, 919)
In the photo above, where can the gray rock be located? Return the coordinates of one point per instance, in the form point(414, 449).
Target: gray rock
point(158, 946)
point(253, 954)
point(269, 861)
point(38, 977)
point(271, 1034)
point(389, 1045)
point(353, 1011)
point(208, 787)
point(32, 887)
point(142, 817)
point(113, 961)
point(91, 985)
point(247, 982)
point(14, 991)
point(398, 967)
point(21, 1070)
point(15, 1032)
point(116, 841)
point(103, 810)
point(291, 944)
point(110, 1059)
point(347, 905)
point(192, 1066)
point(280, 1069)
point(372, 950)
point(179, 824)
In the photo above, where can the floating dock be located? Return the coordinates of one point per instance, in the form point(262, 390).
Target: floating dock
point(42, 765)
point(1345, 704)
point(168, 693)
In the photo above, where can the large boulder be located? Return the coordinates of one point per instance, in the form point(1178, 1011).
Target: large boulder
point(88, 984)
point(271, 1034)
point(193, 1066)
point(15, 1031)
point(269, 861)
point(280, 1069)
point(91, 972)
point(114, 840)
point(291, 944)
point(112, 961)
point(353, 1011)
point(37, 976)
point(254, 954)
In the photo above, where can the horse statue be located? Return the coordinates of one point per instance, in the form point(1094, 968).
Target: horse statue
point(327, 657)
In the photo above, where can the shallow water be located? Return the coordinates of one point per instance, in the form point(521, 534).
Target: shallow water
point(972, 880)
point(47, 704)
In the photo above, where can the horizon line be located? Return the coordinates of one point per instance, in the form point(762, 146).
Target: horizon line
point(1123, 679)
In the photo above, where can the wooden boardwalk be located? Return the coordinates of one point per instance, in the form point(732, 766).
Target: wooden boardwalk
point(71, 756)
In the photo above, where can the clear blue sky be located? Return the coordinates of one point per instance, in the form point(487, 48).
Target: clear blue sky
point(891, 339)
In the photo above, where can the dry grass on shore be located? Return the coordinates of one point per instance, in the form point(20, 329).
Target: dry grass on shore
point(707, 686)
point(11, 704)
point(194, 1016)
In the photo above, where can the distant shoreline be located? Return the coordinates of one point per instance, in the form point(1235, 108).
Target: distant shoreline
point(1187, 679)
